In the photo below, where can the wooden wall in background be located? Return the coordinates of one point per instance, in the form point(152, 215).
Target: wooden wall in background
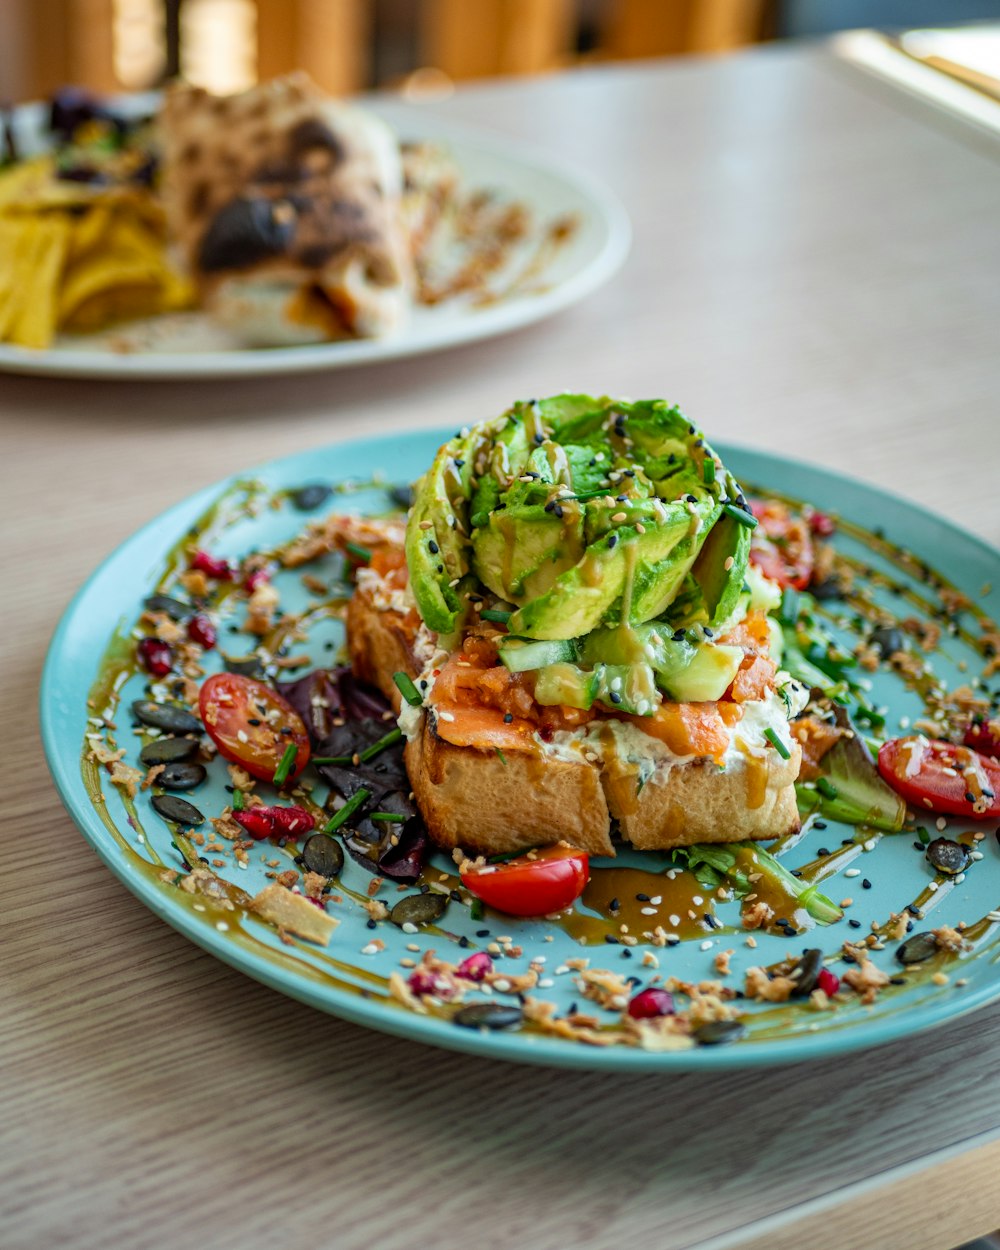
point(642, 28)
point(330, 39)
point(57, 42)
point(486, 37)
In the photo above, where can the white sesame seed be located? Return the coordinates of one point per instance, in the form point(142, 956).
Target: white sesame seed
point(656, 900)
point(222, 926)
point(674, 919)
point(409, 927)
point(853, 872)
point(648, 911)
point(706, 945)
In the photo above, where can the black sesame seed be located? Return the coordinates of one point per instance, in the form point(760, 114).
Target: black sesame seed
point(611, 939)
point(508, 717)
point(482, 933)
point(626, 954)
point(819, 824)
point(897, 980)
point(612, 541)
point(855, 924)
point(823, 850)
point(433, 548)
point(370, 923)
point(615, 697)
point(642, 898)
point(463, 941)
point(866, 884)
point(614, 905)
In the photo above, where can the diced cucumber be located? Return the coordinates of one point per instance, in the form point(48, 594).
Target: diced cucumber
point(706, 676)
point(629, 688)
point(565, 685)
point(650, 643)
point(522, 654)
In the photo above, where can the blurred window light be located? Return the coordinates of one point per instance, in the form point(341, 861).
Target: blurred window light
point(138, 50)
point(219, 44)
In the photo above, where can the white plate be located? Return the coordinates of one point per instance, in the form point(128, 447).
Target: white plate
point(188, 346)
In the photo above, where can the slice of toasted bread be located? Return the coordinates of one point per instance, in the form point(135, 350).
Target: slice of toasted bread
point(492, 803)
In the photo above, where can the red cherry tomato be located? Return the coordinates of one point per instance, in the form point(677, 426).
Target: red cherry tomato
point(246, 719)
point(781, 546)
point(984, 736)
point(941, 777)
point(548, 881)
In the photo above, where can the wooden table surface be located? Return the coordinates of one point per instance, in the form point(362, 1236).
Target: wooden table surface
point(815, 271)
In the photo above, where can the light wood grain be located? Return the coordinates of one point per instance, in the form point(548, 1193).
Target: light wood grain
point(814, 272)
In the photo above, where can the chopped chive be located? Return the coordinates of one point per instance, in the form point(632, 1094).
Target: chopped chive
point(708, 471)
point(827, 788)
point(405, 686)
point(502, 757)
point(778, 745)
point(924, 836)
point(789, 604)
point(359, 553)
point(333, 759)
point(285, 766)
point(347, 811)
point(476, 909)
point(239, 803)
point(493, 614)
point(397, 818)
point(369, 753)
point(738, 514)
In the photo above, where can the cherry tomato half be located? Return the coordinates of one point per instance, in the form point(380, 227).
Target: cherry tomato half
point(781, 546)
point(252, 724)
point(549, 881)
point(941, 777)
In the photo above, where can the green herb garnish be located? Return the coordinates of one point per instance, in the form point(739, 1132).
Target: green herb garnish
point(407, 688)
point(778, 745)
point(827, 788)
point(493, 614)
point(369, 753)
point(708, 471)
point(501, 757)
point(476, 909)
point(285, 766)
point(347, 811)
point(396, 818)
point(239, 802)
point(740, 514)
point(359, 553)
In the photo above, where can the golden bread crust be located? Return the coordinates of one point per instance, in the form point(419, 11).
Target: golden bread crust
point(493, 806)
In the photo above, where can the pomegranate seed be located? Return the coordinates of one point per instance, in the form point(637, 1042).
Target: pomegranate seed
point(202, 631)
point(155, 657)
point(212, 566)
point(422, 981)
point(275, 822)
point(257, 578)
point(827, 982)
point(651, 1002)
point(984, 736)
point(822, 526)
point(476, 967)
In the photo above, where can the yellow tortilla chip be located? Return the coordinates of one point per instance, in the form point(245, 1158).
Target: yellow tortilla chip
point(38, 268)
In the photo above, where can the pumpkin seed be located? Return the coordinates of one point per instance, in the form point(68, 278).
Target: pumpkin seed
point(180, 811)
point(323, 854)
point(719, 1032)
point(402, 495)
point(917, 948)
point(308, 497)
point(948, 857)
point(181, 776)
point(168, 751)
point(170, 717)
point(245, 666)
point(488, 1016)
point(174, 608)
point(887, 641)
point(419, 909)
point(806, 972)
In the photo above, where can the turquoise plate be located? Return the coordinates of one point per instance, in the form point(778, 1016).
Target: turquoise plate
point(346, 982)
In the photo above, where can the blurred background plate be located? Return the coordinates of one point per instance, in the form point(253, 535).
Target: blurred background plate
point(189, 345)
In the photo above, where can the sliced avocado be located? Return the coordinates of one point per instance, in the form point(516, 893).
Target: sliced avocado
point(436, 549)
point(522, 551)
point(579, 598)
point(720, 567)
point(565, 685)
point(706, 675)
